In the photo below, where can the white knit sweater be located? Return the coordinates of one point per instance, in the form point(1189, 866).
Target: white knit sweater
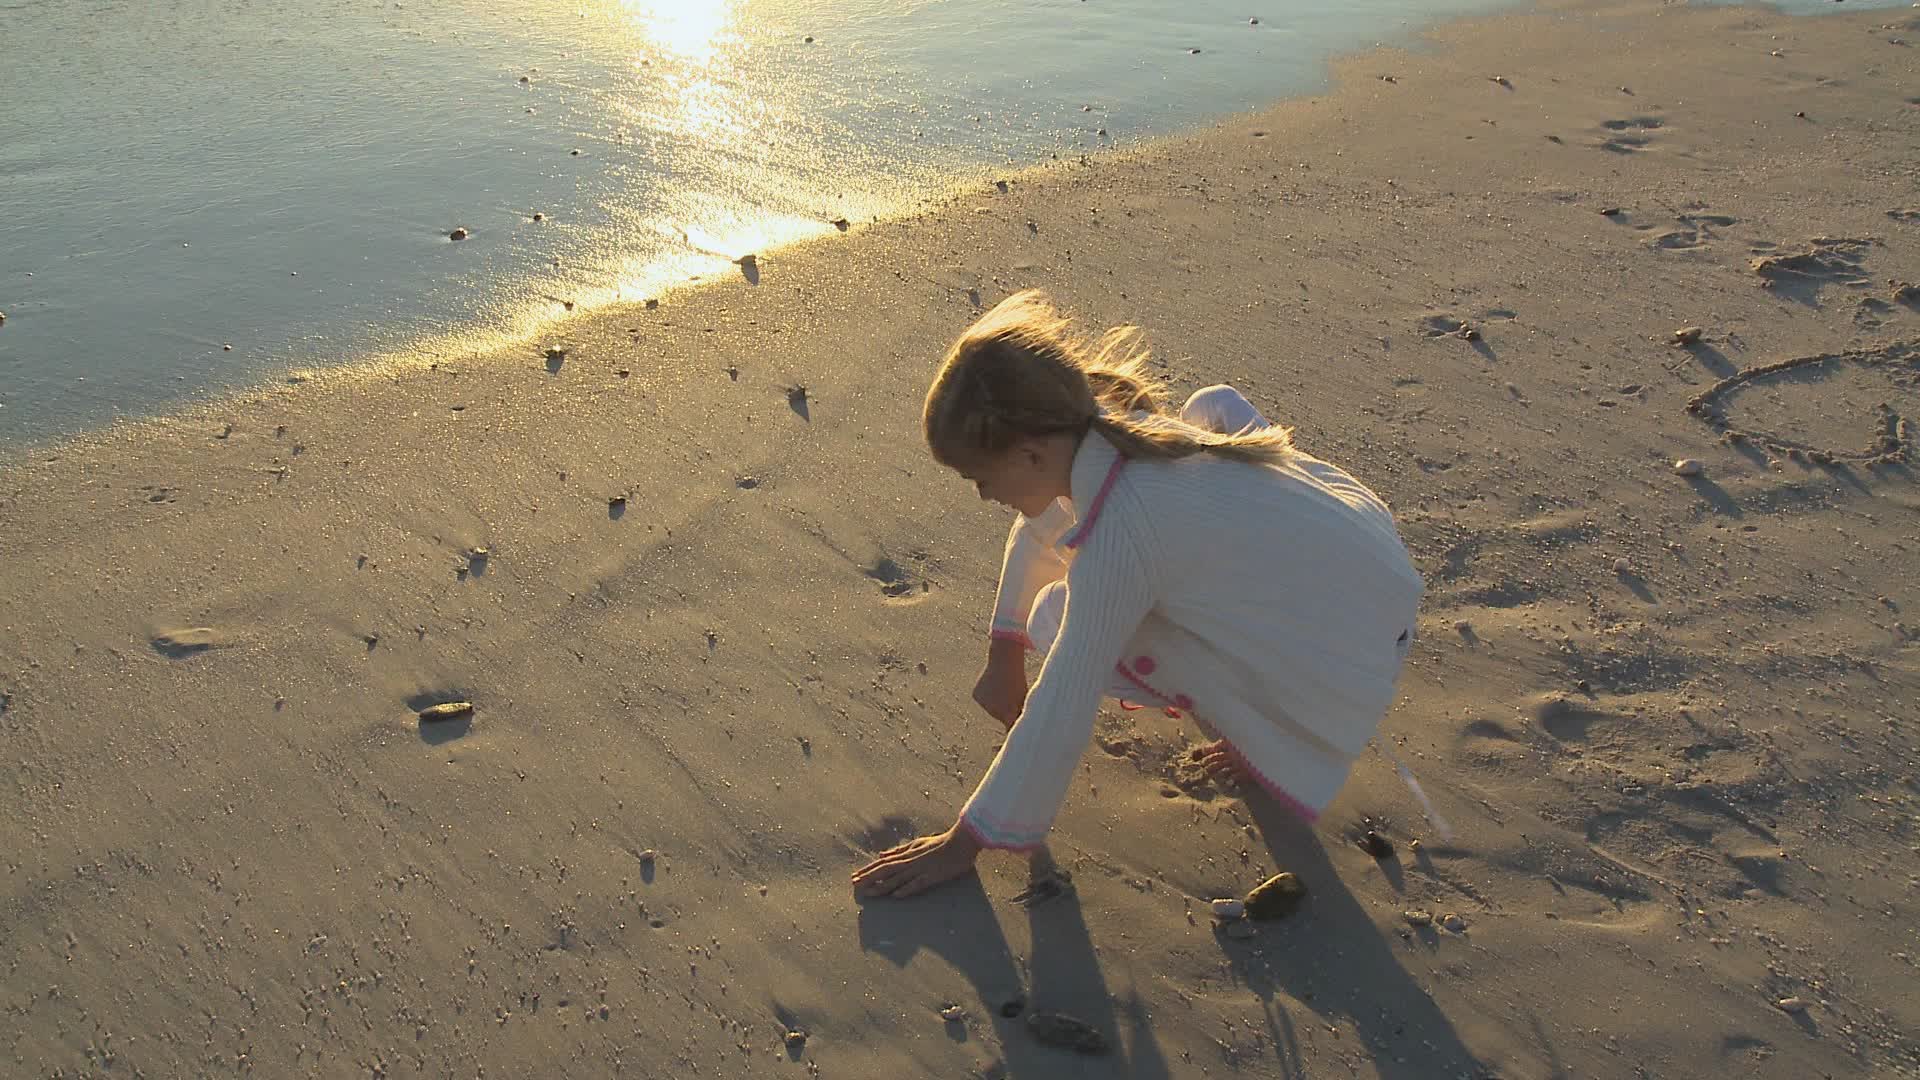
point(1272, 603)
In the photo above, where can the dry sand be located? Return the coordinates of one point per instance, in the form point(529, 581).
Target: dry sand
point(1672, 718)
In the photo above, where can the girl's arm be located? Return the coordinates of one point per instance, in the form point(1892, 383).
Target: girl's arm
point(1032, 563)
point(1109, 591)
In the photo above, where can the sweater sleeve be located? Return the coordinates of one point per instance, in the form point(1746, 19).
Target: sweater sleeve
point(1109, 592)
point(1032, 563)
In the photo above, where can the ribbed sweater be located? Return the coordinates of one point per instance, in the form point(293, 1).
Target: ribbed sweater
point(1272, 603)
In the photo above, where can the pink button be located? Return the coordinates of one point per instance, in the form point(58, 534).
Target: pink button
point(1144, 665)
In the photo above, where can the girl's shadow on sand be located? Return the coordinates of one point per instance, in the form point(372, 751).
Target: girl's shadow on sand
point(958, 924)
point(1328, 958)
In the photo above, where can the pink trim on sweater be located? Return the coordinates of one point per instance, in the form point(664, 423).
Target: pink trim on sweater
point(1081, 531)
point(1012, 635)
point(980, 837)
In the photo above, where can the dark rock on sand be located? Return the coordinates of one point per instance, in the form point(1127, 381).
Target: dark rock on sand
point(1276, 897)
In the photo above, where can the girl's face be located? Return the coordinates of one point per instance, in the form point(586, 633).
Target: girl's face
point(1028, 476)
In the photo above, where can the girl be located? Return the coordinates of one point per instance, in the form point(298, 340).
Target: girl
point(1232, 577)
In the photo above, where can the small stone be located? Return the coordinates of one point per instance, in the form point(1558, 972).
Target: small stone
point(796, 1039)
point(555, 352)
point(538, 216)
point(3, 318)
point(748, 262)
point(1463, 625)
point(1792, 1004)
point(457, 234)
point(1059, 1029)
point(1688, 467)
point(226, 348)
point(953, 1014)
point(648, 856)
point(1253, 22)
point(1687, 335)
point(573, 153)
point(651, 304)
point(1241, 930)
point(842, 224)
point(1193, 52)
point(1418, 918)
point(1612, 211)
point(808, 39)
point(1501, 79)
point(1229, 908)
point(1622, 566)
point(524, 81)
point(614, 502)
point(1454, 923)
point(446, 710)
point(1413, 846)
point(1276, 897)
point(1376, 845)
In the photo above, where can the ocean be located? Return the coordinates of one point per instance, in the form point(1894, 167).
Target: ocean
point(198, 195)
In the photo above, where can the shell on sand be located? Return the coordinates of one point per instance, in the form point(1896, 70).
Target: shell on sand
point(446, 710)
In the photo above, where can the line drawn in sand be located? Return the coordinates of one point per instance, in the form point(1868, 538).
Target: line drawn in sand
point(1893, 434)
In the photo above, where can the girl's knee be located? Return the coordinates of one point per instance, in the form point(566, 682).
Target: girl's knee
point(1222, 409)
point(1049, 611)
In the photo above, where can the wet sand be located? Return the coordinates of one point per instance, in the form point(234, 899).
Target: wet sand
point(718, 614)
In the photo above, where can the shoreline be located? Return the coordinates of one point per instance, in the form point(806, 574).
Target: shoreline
point(1662, 711)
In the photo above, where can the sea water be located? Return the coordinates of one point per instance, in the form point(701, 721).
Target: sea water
point(200, 194)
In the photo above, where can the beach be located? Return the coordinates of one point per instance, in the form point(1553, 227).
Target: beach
point(719, 614)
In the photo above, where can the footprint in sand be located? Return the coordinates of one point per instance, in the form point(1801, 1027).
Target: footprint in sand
point(897, 583)
point(1802, 275)
point(180, 644)
point(1627, 136)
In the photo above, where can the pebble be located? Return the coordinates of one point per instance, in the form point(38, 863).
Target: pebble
point(796, 1039)
point(555, 352)
point(1418, 918)
point(1276, 897)
point(616, 501)
point(1611, 211)
point(649, 855)
point(747, 262)
point(538, 216)
point(1687, 335)
point(1376, 845)
point(1454, 923)
point(1688, 467)
point(1413, 846)
point(1792, 1004)
point(3, 318)
point(446, 710)
point(651, 304)
point(1621, 566)
point(457, 234)
point(1501, 79)
point(842, 224)
point(1229, 908)
point(953, 1014)
point(1253, 22)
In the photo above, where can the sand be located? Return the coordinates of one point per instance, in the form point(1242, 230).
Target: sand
point(1670, 717)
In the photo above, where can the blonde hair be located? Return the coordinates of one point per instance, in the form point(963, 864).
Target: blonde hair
point(1023, 371)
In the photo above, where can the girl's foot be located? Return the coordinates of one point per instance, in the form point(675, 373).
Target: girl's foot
point(1222, 765)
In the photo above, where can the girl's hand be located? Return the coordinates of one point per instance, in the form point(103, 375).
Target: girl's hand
point(1002, 688)
point(918, 865)
point(1220, 763)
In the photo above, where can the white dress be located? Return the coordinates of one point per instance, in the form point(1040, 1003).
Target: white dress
point(1273, 604)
